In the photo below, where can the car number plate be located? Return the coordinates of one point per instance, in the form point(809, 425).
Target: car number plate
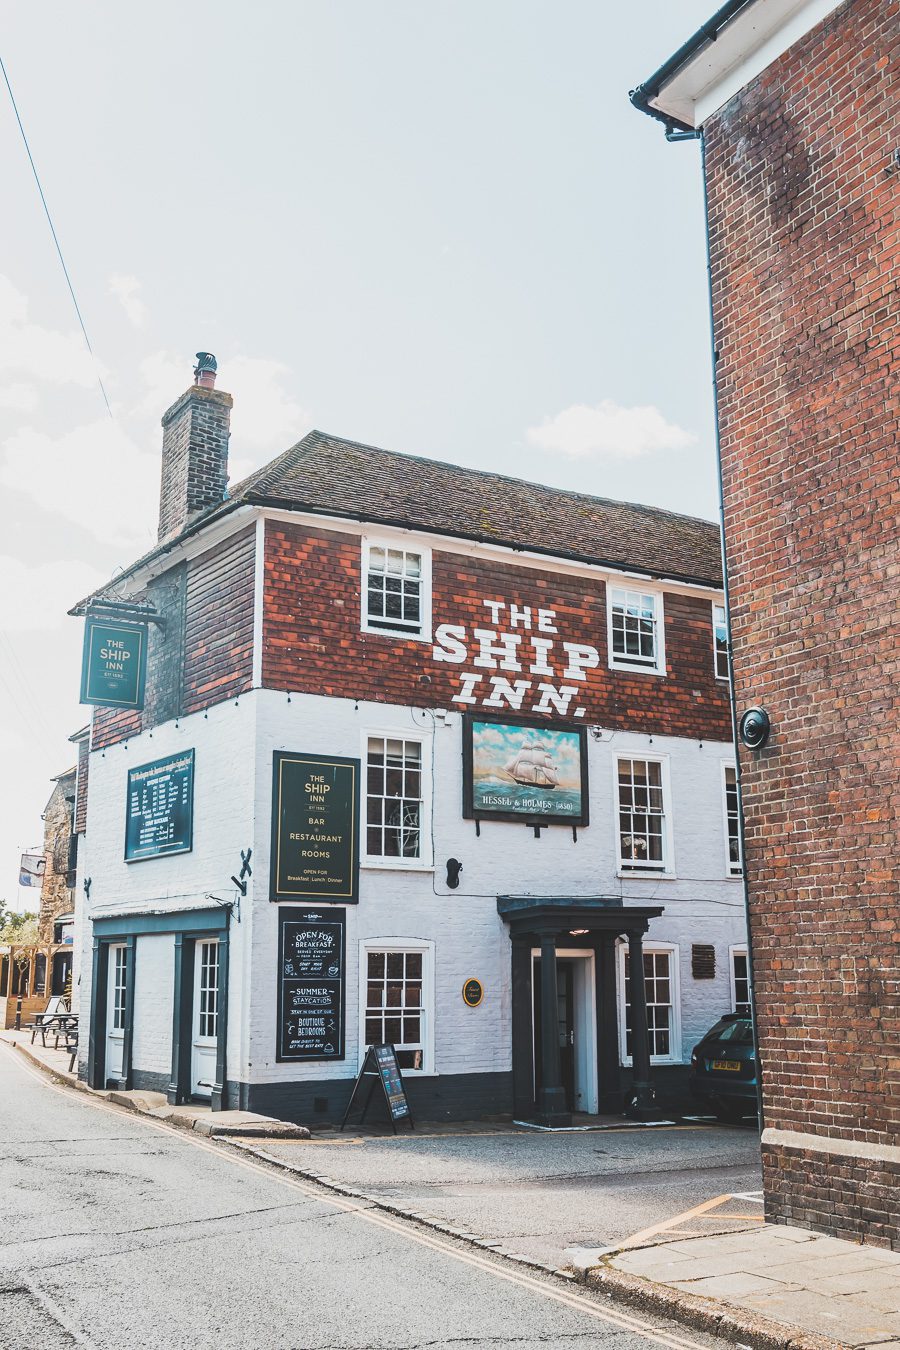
point(732, 1064)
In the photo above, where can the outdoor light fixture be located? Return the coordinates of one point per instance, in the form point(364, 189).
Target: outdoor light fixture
point(578, 932)
point(754, 728)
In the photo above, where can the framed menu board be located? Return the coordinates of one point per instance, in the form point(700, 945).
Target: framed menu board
point(311, 984)
point(159, 816)
point(315, 828)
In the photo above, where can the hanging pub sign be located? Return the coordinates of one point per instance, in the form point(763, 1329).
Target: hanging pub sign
point(114, 663)
point(160, 812)
point(524, 769)
point(311, 970)
point(315, 828)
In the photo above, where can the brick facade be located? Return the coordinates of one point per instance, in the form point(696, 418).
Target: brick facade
point(194, 456)
point(313, 643)
point(805, 255)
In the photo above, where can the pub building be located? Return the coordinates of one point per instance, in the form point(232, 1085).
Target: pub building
point(386, 750)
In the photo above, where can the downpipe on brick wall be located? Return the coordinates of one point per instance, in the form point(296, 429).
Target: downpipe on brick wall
point(672, 135)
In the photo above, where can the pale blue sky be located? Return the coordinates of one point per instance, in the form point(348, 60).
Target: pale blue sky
point(435, 227)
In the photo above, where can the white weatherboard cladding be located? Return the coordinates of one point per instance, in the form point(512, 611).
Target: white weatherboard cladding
point(223, 741)
point(154, 997)
point(233, 746)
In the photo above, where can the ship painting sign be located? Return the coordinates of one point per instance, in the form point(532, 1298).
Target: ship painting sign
point(524, 769)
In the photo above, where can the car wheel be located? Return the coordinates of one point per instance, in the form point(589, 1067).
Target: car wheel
point(730, 1112)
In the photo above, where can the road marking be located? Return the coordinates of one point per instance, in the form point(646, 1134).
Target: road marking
point(578, 1302)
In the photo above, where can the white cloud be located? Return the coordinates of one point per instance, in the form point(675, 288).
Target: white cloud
point(40, 353)
point(34, 599)
point(93, 475)
point(125, 289)
point(18, 397)
point(608, 430)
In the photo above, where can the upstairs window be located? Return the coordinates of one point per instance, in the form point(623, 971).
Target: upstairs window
point(732, 820)
point(720, 642)
point(395, 801)
point(396, 586)
point(635, 630)
point(643, 817)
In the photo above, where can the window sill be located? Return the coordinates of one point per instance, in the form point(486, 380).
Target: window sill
point(394, 865)
point(649, 875)
point(416, 1073)
point(393, 633)
point(637, 670)
point(656, 1062)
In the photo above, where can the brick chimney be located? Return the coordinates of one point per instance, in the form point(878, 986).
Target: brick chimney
point(195, 449)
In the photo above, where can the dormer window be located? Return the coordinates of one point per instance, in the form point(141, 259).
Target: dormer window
point(396, 589)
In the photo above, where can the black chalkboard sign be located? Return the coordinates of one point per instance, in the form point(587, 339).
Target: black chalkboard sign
point(159, 816)
point(315, 828)
point(380, 1065)
point(311, 970)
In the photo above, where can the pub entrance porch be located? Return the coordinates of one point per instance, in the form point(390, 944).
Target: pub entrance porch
point(565, 1039)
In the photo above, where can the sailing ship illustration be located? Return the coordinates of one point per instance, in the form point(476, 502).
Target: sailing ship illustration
point(533, 766)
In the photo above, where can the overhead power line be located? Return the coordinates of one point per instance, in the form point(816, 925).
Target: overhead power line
point(87, 341)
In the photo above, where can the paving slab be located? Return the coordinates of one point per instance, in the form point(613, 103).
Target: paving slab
point(818, 1284)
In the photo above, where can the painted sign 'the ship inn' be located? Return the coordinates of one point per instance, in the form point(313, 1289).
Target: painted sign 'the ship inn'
point(423, 756)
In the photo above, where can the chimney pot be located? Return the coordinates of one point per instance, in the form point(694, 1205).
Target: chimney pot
point(205, 370)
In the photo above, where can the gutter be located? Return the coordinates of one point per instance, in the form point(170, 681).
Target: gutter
point(704, 37)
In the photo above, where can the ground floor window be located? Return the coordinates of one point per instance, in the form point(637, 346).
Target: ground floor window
point(397, 1002)
point(740, 980)
point(119, 989)
point(661, 987)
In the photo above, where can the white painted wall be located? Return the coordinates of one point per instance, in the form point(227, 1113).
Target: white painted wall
point(232, 809)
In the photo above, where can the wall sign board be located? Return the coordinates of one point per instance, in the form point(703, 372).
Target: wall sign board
point(311, 980)
point(114, 663)
point(160, 810)
point(524, 769)
point(315, 828)
point(473, 993)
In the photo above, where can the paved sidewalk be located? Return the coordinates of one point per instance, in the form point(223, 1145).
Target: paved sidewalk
point(821, 1285)
point(201, 1118)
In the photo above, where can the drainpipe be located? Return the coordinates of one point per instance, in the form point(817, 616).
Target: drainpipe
point(698, 135)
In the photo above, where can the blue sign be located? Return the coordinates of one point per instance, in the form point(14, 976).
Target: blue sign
point(114, 664)
point(160, 811)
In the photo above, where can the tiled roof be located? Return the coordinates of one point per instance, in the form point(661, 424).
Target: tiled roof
point(327, 475)
point(323, 473)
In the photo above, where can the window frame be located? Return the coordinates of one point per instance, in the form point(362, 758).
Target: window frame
point(727, 676)
point(674, 954)
point(616, 662)
point(423, 633)
point(622, 867)
point(732, 871)
point(425, 860)
point(425, 947)
point(739, 949)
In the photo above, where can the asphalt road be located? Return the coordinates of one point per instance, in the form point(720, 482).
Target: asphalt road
point(541, 1194)
point(115, 1232)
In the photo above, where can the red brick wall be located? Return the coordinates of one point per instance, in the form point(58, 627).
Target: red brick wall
point(208, 646)
point(805, 251)
point(851, 1198)
point(313, 643)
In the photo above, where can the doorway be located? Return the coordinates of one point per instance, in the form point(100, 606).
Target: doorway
point(116, 998)
point(205, 1021)
point(576, 1027)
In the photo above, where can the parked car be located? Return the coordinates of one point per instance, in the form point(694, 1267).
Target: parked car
point(723, 1068)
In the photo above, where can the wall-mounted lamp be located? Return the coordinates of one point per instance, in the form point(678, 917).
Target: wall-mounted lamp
point(754, 728)
point(454, 867)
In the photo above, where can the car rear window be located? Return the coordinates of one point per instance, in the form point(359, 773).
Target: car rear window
point(739, 1032)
